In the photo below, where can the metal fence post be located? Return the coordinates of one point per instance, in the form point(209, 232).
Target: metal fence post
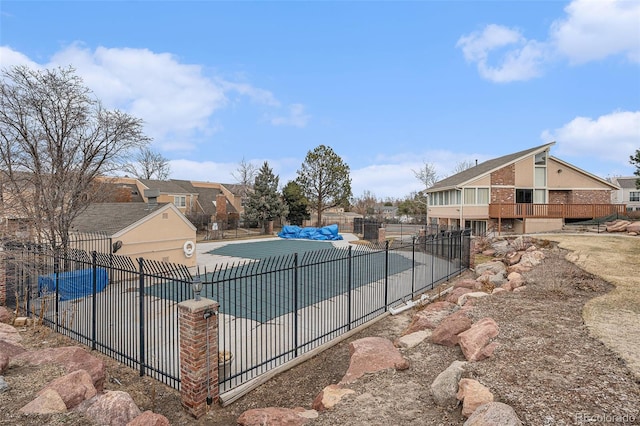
point(413, 266)
point(94, 302)
point(56, 272)
point(349, 278)
point(295, 303)
point(386, 275)
point(141, 357)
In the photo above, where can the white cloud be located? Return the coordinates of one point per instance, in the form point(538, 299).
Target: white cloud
point(177, 101)
point(10, 58)
point(174, 100)
point(593, 30)
point(522, 61)
point(612, 137)
point(296, 117)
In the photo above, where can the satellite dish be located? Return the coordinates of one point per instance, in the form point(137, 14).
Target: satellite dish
point(117, 246)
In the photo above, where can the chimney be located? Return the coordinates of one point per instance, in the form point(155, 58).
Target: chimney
point(152, 197)
point(476, 161)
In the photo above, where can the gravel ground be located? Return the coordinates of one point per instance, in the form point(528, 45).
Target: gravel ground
point(547, 367)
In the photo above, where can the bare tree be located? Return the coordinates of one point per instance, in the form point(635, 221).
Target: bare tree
point(427, 175)
point(461, 166)
point(365, 204)
point(148, 164)
point(245, 176)
point(55, 139)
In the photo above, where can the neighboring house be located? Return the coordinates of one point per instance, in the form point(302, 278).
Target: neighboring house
point(527, 191)
point(148, 230)
point(628, 193)
point(215, 200)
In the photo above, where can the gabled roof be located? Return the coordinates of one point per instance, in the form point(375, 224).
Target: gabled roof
point(166, 186)
point(473, 173)
point(626, 182)
point(113, 218)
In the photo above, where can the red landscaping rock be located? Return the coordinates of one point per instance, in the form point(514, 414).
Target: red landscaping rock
point(273, 416)
point(473, 341)
point(371, 354)
point(494, 413)
point(10, 333)
point(5, 315)
point(429, 317)
point(456, 293)
point(111, 408)
point(446, 333)
point(329, 397)
point(472, 394)
point(73, 388)
point(48, 402)
point(71, 358)
point(149, 418)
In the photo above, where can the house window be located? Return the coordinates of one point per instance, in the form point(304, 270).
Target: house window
point(165, 215)
point(541, 159)
point(524, 195)
point(483, 196)
point(540, 177)
point(469, 195)
point(180, 201)
point(539, 196)
point(634, 196)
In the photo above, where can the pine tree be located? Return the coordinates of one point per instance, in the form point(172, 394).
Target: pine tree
point(265, 203)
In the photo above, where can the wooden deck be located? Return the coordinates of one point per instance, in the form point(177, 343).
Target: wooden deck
point(564, 211)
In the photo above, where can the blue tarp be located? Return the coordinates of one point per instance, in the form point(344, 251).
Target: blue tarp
point(73, 284)
point(325, 233)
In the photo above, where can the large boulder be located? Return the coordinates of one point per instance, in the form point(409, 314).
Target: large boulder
point(493, 413)
point(456, 293)
point(10, 333)
point(494, 267)
point(531, 258)
point(475, 341)
point(275, 416)
point(73, 388)
point(329, 397)
point(371, 354)
point(472, 394)
point(5, 315)
point(71, 358)
point(446, 333)
point(110, 408)
point(634, 227)
point(48, 402)
point(430, 316)
point(445, 387)
point(149, 418)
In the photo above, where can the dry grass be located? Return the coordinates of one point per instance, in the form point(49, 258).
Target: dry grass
point(613, 317)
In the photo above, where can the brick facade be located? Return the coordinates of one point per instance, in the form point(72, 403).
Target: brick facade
point(504, 176)
point(590, 197)
point(503, 195)
point(559, 197)
point(195, 385)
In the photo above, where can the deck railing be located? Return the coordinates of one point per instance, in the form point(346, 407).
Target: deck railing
point(564, 211)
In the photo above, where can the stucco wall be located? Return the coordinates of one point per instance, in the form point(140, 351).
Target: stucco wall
point(524, 173)
point(160, 238)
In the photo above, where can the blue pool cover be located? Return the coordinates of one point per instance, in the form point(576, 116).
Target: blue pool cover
point(326, 233)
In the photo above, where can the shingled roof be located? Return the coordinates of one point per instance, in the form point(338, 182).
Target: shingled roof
point(626, 182)
point(111, 218)
point(481, 169)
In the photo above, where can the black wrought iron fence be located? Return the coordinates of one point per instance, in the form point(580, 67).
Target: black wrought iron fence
point(271, 310)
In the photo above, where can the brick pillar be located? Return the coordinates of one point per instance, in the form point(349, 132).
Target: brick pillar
point(382, 235)
point(193, 354)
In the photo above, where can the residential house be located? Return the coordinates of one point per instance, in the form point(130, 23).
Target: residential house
point(150, 230)
point(628, 193)
point(524, 192)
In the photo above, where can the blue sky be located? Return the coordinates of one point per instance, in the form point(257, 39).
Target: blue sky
point(388, 85)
